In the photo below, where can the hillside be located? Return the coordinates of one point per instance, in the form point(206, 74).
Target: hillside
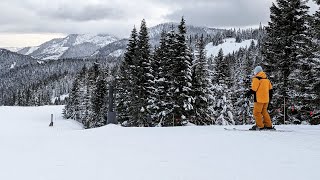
point(10, 60)
point(72, 46)
point(229, 45)
point(31, 149)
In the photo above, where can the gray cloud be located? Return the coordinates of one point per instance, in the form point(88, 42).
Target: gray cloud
point(86, 13)
point(218, 13)
point(119, 16)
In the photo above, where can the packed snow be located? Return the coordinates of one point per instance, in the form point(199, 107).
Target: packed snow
point(229, 46)
point(31, 150)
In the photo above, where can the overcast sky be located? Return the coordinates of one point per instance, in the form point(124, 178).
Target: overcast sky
point(31, 22)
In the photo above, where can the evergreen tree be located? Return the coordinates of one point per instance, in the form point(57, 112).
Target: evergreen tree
point(287, 49)
point(201, 85)
point(160, 71)
point(181, 85)
point(167, 78)
point(99, 102)
point(124, 80)
point(313, 75)
point(222, 70)
point(222, 92)
point(72, 109)
point(143, 81)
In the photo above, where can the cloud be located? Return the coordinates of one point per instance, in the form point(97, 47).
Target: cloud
point(86, 13)
point(218, 13)
point(119, 16)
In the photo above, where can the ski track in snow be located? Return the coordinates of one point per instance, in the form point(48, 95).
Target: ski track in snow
point(30, 150)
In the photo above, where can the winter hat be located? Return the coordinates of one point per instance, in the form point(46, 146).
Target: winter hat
point(257, 70)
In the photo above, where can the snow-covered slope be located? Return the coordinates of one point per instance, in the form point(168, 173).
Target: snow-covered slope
point(229, 46)
point(10, 60)
point(13, 49)
point(72, 46)
point(31, 150)
point(112, 49)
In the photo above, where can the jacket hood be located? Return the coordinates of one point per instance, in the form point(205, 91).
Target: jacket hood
point(261, 74)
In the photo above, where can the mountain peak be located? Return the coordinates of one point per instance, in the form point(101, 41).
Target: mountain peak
point(73, 45)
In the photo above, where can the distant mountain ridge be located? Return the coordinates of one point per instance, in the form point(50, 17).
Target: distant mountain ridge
point(155, 35)
point(10, 60)
point(72, 46)
point(93, 45)
point(103, 45)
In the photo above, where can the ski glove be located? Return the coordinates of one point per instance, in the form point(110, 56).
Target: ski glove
point(248, 94)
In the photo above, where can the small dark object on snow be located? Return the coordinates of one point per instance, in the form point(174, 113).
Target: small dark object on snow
point(256, 128)
point(51, 123)
point(271, 130)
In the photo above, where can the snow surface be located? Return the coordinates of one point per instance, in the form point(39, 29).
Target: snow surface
point(32, 49)
point(229, 46)
point(55, 48)
point(99, 40)
point(31, 150)
point(13, 49)
point(13, 65)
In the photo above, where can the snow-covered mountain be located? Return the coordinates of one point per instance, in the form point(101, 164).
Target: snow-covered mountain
point(155, 32)
point(115, 49)
point(102, 45)
point(118, 48)
point(13, 49)
point(10, 60)
point(72, 46)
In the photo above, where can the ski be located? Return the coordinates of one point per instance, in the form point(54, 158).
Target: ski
point(273, 130)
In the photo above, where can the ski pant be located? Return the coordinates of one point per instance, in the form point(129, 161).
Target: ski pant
point(261, 115)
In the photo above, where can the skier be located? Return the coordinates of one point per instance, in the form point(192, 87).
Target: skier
point(261, 87)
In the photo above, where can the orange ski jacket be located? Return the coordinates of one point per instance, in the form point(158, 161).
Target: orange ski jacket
point(262, 88)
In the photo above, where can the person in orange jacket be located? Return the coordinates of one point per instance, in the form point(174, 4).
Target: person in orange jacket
point(261, 88)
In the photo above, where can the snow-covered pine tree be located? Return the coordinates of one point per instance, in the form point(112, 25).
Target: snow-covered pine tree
point(87, 104)
point(124, 80)
point(315, 66)
point(94, 100)
point(222, 93)
point(160, 68)
point(181, 85)
point(201, 87)
point(241, 76)
point(72, 109)
point(82, 92)
point(287, 49)
point(168, 67)
point(143, 102)
point(261, 36)
point(99, 101)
